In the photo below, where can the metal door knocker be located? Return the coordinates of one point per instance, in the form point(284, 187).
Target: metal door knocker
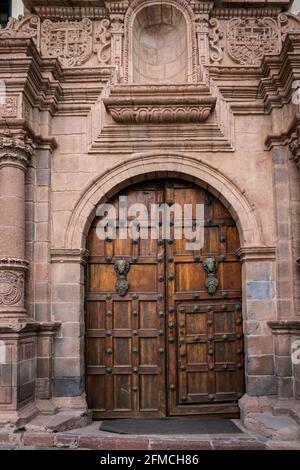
point(121, 267)
point(210, 266)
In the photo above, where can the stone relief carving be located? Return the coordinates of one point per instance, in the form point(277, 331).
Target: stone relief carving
point(103, 42)
point(28, 27)
point(160, 104)
point(215, 35)
point(294, 145)
point(11, 287)
point(249, 39)
point(160, 114)
point(288, 23)
point(10, 107)
point(70, 41)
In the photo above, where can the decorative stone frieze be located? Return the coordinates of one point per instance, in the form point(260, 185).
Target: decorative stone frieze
point(215, 35)
point(15, 149)
point(159, 104)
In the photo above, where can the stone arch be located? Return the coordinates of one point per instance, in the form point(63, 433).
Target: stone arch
point(156, 165)
point(185, 9)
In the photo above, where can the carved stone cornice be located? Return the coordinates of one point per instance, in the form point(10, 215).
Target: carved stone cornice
point(289, 137)
point(12, 329)
point(15, 149)
point(117, 7)
point(157, 104)
point(257, 253)
point(14, 264)
point(65, 255)
point(201, 7)
point(285, 327)
point(225, 13)
point(63, 13)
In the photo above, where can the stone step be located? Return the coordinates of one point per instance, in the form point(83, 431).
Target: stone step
point(60, 422)
point(277, 428)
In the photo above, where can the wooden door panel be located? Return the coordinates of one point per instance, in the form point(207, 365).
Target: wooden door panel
point(167, 321)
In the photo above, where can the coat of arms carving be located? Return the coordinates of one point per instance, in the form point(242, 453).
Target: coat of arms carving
point(249, 39)
point(70, 41)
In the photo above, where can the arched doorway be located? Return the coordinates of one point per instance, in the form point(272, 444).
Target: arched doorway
point(172, 343)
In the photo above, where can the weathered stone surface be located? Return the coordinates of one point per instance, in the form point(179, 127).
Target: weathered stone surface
point(260, 365)
point(261, 385)
point(68, 386)
point(280, 428)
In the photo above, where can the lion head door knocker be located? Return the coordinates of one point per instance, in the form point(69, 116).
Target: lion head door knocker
point(121, 267)
point(210, 266)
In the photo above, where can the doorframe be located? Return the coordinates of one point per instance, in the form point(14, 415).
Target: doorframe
point(252, 253)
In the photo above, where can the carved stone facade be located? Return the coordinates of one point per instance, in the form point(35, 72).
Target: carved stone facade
point(97, 97)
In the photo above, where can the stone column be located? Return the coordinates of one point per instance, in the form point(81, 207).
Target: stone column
point(15, 153)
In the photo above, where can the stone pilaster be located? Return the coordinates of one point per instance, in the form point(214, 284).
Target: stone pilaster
point(117, 12)
point(258, 278)
point(15, 154)
point(202, 13)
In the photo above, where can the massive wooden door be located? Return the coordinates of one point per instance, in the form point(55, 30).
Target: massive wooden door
point(170, 345)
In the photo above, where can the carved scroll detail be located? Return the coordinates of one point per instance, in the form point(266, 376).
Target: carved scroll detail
point(28, 27)
point(103, 42)
point(210, 266)
point(215, 35)
point(121, 267)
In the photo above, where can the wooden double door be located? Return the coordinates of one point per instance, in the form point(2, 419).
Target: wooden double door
point(164, 327)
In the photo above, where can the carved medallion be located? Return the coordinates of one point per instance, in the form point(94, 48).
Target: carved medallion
point(11, 287)
point(70, 41)
point(121, 267)
point(210, 266)
point(249, 39)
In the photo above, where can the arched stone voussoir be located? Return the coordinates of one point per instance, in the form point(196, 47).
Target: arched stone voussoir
point(156, 165)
